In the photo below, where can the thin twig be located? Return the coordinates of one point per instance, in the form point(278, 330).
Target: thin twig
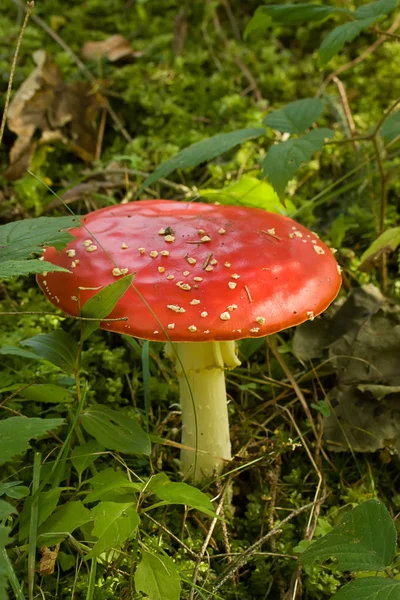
point(346, 108)
point(41, 312)
point(30, 6)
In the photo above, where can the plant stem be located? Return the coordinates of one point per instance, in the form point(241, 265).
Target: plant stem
point(10, 574)
point(37, 461)
point(205, 425)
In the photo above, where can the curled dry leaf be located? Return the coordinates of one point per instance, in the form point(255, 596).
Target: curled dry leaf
point(60, 112)
point(48, 561)
point(114, 48)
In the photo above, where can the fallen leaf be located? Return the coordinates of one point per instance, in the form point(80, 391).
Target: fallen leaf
point(48, 561)
point(114, 48)
point(60, 112)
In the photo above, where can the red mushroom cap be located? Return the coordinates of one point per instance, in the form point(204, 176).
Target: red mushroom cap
point(202, 272)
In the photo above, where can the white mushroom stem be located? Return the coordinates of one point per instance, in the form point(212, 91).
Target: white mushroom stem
point(200, 367)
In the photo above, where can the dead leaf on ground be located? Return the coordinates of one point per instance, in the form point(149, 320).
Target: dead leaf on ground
point(114, 48)
point(48, 561)
point(47, 110)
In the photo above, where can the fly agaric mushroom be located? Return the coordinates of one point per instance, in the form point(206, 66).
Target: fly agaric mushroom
point(205, 276)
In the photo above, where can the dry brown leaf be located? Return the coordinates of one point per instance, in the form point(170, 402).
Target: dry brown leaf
point(48, 561)
point(60, 112)
point(114, 48)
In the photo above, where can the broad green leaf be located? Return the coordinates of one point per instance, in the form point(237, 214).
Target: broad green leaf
point(15, 351)
point(48, 393)
point(202, 151)
point(155, 482)
point(182, 493)
point(390, 129)
point(289, 14)
point(157, 577)
point(14, 268)
point(84, 456)
point(114, 524)
point(375, 9)
point(47, 504)
point(15, 433)
point(21, 239)
point(58, 347)
point(370, 588)
point(109, 481)
point(295, 117)
point(386, 242)
point(365, 540)
point(284, 159)
point(6, 509)
point(338, 37)
point(115, 431)
point(101, 304)
point(249, 191)
point(62, 522)
point(12, 489)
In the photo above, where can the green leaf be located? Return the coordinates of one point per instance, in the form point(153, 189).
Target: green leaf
point(114, 524)
point(249, 191)
point(295, 117)
point(365, 540)
point(182, 493)
point(6, 509)
point(21, 239)
point(14, 268)
point(4, 561)
point(101, 304)
point(386, 242)
point(58, 347)
point(84, 456)
point(157, 577)
point(62, 522)
point(115, 431)
point(12, 489)
point(15, 351)
point(390, 129)
point(47, 503)
point(290, 14)
point(202, 151)
point(285, 158)
point(48, 393)
point(16, 432)
point(108, 481)
point(338, 37)
point(375, 9)
point(370, 588)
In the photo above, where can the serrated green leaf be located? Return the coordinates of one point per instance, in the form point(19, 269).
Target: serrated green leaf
point(182, 493)
point(365, 540)
point(375, 9)
point(249, 191)
point(157, 577)
point(101, 304)
point(388, 241)
point(84, 456)
point(12, 489)
point(15, 268)
point(114, 524)
point(390, 129)
point(338, 37)
point(370, 588)
point(47, 504)
point(15, 433)
point(108, 481)
point(58, 347)
point(6, 509)
point(115, 431)
point(21, 239)
point(289, 14)
point(48, 393)
point(202, 151)
point(63, 521)
point(285, 158)
point(295, 117)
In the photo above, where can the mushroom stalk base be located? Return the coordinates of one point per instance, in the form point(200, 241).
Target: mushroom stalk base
point(200, 368)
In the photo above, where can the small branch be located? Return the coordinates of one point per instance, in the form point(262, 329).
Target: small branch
point(30, 6)
point(346, 107)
